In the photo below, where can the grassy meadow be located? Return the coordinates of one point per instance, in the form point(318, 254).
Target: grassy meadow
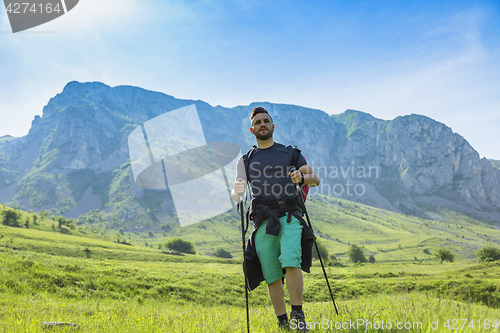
point(82, 275)
point(108, 295)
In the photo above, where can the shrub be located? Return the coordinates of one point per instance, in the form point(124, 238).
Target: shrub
point(444, 254)
point(371, 259)
point(10, 217)
point(356, 254)
point(488, 253)
point(180, 245)
point(221, 253)
point(335, 263)
point(61, 221)
point(322, 250)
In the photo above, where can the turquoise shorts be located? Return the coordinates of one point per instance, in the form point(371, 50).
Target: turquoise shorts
point(278, 252)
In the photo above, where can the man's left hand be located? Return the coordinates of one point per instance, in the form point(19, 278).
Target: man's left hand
point(296, 176)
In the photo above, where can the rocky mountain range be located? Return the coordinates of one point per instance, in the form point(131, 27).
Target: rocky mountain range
point(75, 158)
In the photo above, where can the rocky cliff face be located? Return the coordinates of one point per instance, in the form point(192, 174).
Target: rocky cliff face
point(75, 157)
point(495, 164)
point(418, 156)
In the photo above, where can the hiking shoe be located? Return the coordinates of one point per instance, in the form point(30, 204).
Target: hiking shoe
point(283, 326)
point(298, 321)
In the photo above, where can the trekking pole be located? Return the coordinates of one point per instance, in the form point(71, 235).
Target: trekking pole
point(243, 232)
point(299, 193)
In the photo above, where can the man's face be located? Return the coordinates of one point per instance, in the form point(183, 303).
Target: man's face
point(262, 127)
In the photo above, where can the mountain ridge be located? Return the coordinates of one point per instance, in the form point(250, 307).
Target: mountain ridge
point(75, 157)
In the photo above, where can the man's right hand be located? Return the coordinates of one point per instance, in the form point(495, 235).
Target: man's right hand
point(239, 187)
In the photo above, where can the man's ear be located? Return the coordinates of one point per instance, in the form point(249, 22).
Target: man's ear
point(251, 130)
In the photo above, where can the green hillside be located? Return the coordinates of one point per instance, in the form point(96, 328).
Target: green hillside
point(393, 237)
point(388, 236)
point(55, 270)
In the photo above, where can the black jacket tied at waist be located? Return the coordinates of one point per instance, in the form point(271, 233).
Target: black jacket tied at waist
point(272, 210)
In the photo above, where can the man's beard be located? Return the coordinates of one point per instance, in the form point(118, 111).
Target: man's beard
point(266, 136)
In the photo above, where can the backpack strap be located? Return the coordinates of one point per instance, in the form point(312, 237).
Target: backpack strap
point(246, 161)
point(304, 189)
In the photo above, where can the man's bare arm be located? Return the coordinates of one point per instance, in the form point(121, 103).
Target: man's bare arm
point(310, 178)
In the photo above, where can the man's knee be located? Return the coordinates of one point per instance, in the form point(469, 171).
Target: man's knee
point(292, 269)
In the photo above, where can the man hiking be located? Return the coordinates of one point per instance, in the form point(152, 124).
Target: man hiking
point(281, 239)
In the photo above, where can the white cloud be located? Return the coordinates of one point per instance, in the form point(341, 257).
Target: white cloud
point(91, 16)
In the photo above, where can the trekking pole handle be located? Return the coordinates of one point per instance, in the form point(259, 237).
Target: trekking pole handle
point(292, 170)
point(242, 195)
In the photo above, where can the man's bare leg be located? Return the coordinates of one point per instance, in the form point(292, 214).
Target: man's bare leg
point(294, 284)
point(277, 295)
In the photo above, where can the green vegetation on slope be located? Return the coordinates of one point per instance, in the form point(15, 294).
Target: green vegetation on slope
point(134, 296)
point(56, 273)
point(77, 266)
point(385, 235)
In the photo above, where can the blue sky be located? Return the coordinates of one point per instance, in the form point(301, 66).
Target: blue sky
point(388, 58)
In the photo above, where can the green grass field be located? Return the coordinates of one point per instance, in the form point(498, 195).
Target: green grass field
point(82, 276)
point(412, 312)
point(133, 296)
